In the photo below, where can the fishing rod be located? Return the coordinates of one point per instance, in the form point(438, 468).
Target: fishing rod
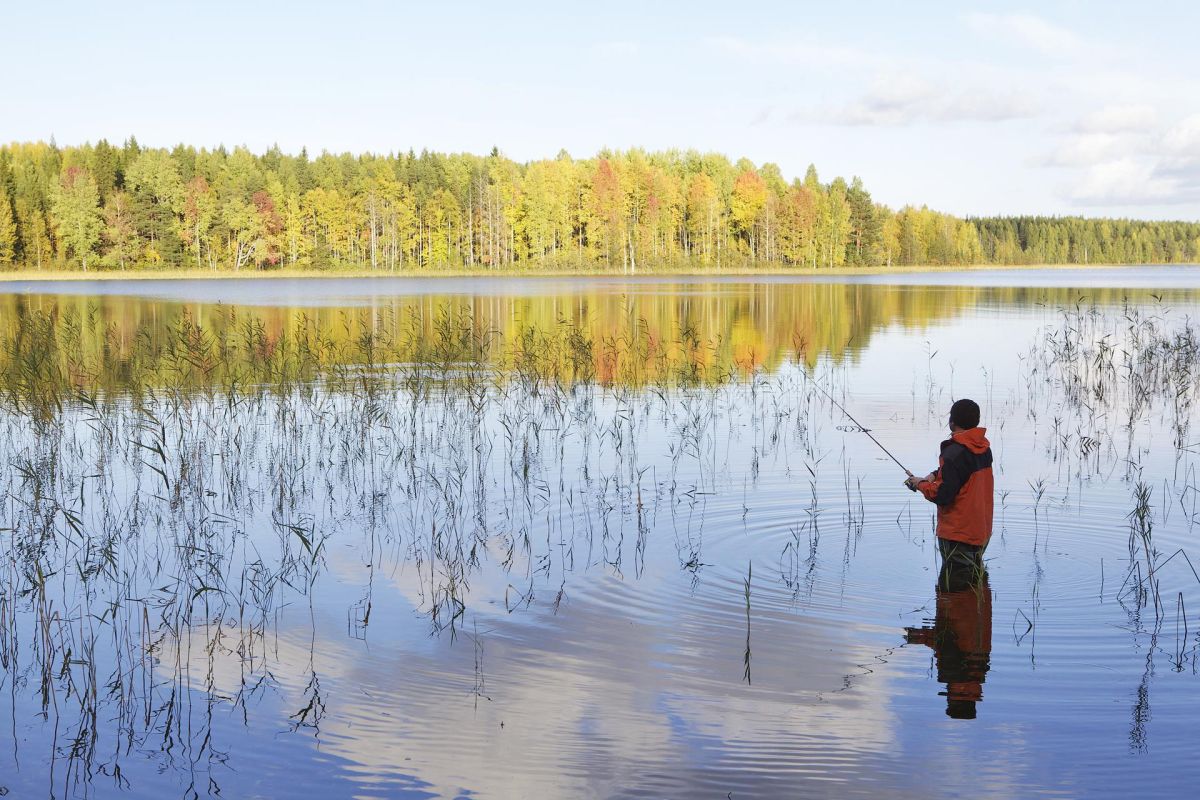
point(857, 424)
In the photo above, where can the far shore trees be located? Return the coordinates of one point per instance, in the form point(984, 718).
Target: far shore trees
point(132, 207)
point(76, 207)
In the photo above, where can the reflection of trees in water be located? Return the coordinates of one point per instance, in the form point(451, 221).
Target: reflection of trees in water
point(155, 534)
point(697, 332)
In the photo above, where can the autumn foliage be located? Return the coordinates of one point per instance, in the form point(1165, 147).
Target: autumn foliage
point(129, 207)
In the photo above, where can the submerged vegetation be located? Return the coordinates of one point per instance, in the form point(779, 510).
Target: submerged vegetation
point(179, 484)
point(1100, 382)
point(128, 207)
point(157, 530)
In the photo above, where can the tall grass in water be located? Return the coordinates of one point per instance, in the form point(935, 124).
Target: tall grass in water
point(1104, 378)
point(175, 500)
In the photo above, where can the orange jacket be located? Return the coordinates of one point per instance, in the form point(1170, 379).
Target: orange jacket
point(961, 638)
point(964, 642)
point(962, 488)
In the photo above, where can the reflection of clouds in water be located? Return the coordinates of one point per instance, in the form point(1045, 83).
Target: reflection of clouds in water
point(636, 683)
point(582, 715)
point(572, 714)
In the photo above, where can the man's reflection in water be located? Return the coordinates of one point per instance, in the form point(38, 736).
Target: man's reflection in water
point(961, 637)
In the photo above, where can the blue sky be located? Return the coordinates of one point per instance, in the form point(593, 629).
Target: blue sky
point(1066, 107)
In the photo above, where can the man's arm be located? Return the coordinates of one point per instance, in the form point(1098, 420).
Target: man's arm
point(949, 479)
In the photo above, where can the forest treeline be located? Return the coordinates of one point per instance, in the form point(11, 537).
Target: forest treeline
point(127, 207)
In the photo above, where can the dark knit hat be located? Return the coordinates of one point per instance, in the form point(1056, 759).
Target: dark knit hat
point(965, 413)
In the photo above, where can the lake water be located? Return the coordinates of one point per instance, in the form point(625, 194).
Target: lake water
point(594, 537)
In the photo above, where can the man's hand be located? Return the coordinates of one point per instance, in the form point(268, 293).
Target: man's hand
point(920, 636)
point(913, 482)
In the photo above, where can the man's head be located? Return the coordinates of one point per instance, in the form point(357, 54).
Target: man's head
point(964, 415)
point(960, 709)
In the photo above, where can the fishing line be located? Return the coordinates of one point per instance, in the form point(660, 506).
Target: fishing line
point(861, 428)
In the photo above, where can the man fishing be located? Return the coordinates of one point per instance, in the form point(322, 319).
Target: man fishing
point(962, 488)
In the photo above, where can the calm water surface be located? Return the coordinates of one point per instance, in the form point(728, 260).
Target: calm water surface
point(592, 537)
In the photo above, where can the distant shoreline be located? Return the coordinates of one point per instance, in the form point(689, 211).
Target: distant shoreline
point(28, 275)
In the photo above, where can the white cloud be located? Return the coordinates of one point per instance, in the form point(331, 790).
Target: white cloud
point(1127, 181)
point(1089, 149)
point(1028, 31)
point(1119, 119)
point(1183, 138)
point(1180, 153)
point(1129, 164)
point(907, 99)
